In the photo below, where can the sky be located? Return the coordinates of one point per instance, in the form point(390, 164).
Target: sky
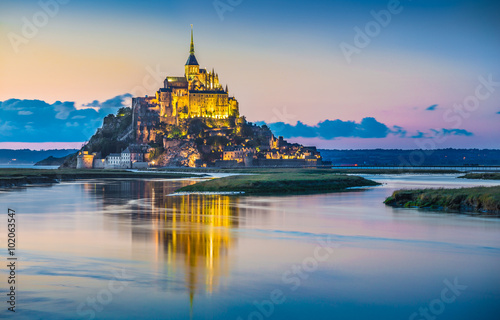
point(336, 74)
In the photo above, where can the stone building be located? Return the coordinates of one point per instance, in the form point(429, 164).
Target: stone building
point(196, 94)
point(134, 155)
point(238, 153)
point(113, 160)
point(84, 160)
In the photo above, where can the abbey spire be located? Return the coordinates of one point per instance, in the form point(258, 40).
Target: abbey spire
point(192, 59)
point(191, 49)
point(192, 68)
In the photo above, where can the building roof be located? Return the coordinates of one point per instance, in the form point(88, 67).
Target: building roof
point(176, 79)
point(114, 155)
point(191, 61)
point(207, 92)
point(237, 148)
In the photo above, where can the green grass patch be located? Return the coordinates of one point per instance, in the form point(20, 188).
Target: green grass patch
point(300, 181)
point(478, 199)
point(483, 176)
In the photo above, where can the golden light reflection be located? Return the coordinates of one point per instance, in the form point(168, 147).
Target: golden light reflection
point(196, 236)
point(190, 235)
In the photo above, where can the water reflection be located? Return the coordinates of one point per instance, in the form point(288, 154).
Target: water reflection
point(228, 253)
point(197, 237)
point(191, 233)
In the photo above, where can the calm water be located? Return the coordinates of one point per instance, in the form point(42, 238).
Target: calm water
point(25, 166)
point(125, 249)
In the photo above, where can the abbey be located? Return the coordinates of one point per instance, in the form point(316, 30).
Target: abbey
point(196, 94)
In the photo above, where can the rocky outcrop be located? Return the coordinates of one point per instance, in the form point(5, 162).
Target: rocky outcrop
point(183, 154)
point(52, 161)
point(112, 137)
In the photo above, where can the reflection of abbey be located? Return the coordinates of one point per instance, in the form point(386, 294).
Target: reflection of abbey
point(191, 235)
point(196, 94)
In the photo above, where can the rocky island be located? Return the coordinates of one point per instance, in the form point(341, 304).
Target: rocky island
point(52, 161)
point(192, 121)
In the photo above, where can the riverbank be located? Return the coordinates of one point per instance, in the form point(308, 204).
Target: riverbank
point(484, 200)
point(11, 177)
point(300, 181)
point(483, 176)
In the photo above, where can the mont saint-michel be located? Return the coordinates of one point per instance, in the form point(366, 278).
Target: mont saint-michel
point(191, 121)
point(196, 181)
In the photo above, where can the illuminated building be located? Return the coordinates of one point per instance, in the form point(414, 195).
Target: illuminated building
point(197, 94)
point(85, 160)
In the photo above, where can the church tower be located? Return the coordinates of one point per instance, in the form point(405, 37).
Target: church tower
point(192, 67)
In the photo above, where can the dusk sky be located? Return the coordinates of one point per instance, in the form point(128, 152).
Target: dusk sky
point(335, 74)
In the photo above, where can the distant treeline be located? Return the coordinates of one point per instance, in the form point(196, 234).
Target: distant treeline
point(26, 156)
point(398, 157)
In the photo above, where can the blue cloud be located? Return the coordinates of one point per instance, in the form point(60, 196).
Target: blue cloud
point(367, 128)
point(452, 132)
point(398, 131)
point(113, 103)
point(39, 121)
point(331, 129)
point(419, 135)
point(432, 108)
point(441, 132)
point(291, 131)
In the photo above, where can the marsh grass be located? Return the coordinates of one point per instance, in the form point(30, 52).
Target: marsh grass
point(298, 181)
point(477, 199)
point(483, 176)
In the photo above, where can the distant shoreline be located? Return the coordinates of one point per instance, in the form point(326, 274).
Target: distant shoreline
point(26, 166)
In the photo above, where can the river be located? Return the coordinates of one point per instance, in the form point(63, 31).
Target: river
point(127, 248)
